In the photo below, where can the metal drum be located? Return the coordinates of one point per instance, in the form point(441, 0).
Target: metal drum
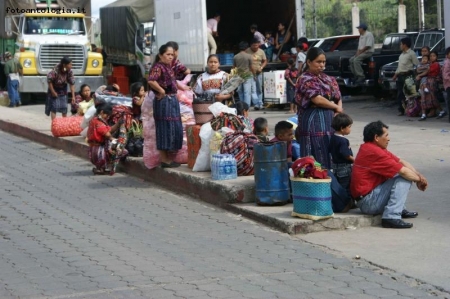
point(271, 173)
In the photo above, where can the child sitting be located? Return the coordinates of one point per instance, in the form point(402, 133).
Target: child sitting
point(268, 45)
point(261, 129)
point(340, 150)
point(422, 72)
point(284, 132)
point(100, 139)
point(138, 94)
point(242, 113)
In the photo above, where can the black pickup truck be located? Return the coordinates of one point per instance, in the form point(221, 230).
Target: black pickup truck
point(338, 62)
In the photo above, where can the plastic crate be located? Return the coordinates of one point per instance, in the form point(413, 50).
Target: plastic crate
point(120, 71)
point(123, 83)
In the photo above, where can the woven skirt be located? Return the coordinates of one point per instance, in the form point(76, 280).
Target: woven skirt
point(169, 129)
point(55, 105)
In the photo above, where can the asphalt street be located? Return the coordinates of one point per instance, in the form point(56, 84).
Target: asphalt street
point(65, 233)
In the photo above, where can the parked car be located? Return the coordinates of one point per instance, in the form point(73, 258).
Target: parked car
point(428, 38)
point(387, 71)
point(338, 63)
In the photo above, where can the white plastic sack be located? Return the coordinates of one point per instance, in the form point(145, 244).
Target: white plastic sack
point(202, 163)
point(88, 116)
point(217, 108)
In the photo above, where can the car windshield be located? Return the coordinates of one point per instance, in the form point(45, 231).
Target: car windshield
point(54, 25)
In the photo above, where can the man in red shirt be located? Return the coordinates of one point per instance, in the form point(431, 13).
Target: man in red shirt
point(381, 181)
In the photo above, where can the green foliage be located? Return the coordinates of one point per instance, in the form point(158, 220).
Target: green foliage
point(334, 17)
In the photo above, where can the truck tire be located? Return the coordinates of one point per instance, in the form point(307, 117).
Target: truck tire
point(25, 98)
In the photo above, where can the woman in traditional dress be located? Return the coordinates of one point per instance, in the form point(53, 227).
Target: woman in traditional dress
point(428, 100)
point(210, 83)
point(318, 98)
point(57, 80)
point(166, 108)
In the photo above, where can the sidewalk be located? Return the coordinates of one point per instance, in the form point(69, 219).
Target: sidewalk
point(237, 195)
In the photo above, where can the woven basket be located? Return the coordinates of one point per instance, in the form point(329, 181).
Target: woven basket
point(312, 198)
point(201, 112)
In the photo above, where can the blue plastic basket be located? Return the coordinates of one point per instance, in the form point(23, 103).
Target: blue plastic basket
point(311, 198)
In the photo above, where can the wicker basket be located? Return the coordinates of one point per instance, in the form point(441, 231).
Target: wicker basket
point(312, 198)
point(201, 112)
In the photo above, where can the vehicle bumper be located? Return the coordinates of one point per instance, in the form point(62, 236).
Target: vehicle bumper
point(38, 84)
point(388, 84)
point(347, 83)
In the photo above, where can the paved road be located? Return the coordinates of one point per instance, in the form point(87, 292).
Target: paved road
point(67, 234)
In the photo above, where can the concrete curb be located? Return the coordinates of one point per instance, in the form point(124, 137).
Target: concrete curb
point(237, 196)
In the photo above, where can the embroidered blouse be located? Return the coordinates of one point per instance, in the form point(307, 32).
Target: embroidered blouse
point(163, 74)
point(310, 85)
point(210, 83)
point(60, 80)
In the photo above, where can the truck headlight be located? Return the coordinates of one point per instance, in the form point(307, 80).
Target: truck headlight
point(95, 63)
point(27, 63)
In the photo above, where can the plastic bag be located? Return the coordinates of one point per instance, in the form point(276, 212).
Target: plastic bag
point(150, 153)
point(203, 159)
point(216, 139)
point(67, 126)
point(217, 108)
point(88, 116)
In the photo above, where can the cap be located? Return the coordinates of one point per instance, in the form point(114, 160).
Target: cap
point(362, 26)
point(8, 54)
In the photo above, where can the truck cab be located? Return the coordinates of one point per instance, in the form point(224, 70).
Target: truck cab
point(42, 39)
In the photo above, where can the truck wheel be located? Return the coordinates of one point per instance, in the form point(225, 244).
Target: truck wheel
point(25, 98)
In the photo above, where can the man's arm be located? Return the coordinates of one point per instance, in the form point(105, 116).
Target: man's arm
point(418, 178)
point(263, 64)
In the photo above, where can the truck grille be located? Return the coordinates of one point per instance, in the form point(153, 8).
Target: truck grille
point(50, 56)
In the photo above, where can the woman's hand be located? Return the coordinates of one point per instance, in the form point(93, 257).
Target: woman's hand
point(220, 97)
point(160, 95)
point(54, 94)
point(338, 110)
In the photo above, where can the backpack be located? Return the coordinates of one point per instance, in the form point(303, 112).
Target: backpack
point(240, 145)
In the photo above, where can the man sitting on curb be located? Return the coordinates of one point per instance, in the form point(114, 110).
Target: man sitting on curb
point(381, 181)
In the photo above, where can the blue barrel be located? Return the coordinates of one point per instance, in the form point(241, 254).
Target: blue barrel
point(271, 173)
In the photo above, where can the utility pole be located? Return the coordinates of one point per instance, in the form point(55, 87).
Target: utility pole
point(314, 19)
point(421, 15)
point(439, 14)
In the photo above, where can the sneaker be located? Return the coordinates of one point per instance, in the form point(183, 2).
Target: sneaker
point(422, 118)
point(19, 104)
point(441, 114)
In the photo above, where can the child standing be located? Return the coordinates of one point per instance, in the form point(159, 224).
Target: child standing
point(138, 94)
point(284, 132)
point(340, 150)
point(261, 129)
point(301, 56)
point(291, 76)
point(422, 71)
point(268, 45)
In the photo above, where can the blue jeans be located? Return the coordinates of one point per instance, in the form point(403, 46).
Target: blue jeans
point(13, 91)
point(258, 102)
point(388, 198)
point(247, 91)
point(339, 195)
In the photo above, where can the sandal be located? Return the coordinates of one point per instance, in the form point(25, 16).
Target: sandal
point(98, 171)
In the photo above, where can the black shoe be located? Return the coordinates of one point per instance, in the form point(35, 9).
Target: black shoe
point(360, 81)
point(171, 165)
point(441, 114)
point(400, 113)
point(256, 108)
point(408, 214)
point(422, 118)
point(395, 223)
